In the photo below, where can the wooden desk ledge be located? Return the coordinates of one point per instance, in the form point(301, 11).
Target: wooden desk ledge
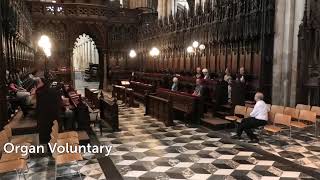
point(232, 118)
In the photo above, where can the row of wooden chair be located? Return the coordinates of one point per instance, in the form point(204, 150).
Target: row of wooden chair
point(301, 117)
point(62, 139)
point(15, 161)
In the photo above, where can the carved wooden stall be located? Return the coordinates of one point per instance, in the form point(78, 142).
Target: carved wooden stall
point(308, 82)
point(236, 34)
point(111, 28)
point(16, 51)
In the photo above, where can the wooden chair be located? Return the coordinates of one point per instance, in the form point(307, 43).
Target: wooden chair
point(11, 162)
point(274, 110)
point(316, 109)
point(65, 158)
point(281, 121)
point(294, 113)
point(17, 139)
point(306, 119)
point(63, 139)
point(238, 110)
point(303, 107)
point(248, 112)
point(64, 135)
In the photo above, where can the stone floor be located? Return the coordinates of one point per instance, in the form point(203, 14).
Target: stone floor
point(146, 149)
point(80, 83)
point(302, 148)
point(44, 168)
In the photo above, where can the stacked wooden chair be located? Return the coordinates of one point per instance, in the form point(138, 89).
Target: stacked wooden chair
point(12, 162)
point(63, 139)
point(285, 118)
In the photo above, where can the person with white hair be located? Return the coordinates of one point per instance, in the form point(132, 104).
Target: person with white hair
point(206, 74)
point(174, 86)
point(258, 117)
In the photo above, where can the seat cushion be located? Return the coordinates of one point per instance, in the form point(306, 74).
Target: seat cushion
point(298, 124)
point(70, 134)
point(272, 128)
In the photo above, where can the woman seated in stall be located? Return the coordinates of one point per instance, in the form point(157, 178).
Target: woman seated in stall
point(21, 94)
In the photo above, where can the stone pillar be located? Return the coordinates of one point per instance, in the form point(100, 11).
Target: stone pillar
point(289, 15)
point(169, 7)
point(103, 69)
point(160, 7)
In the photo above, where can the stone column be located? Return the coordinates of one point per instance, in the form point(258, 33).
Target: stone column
point(289, 15)
point(160, 7)
point(169, 7)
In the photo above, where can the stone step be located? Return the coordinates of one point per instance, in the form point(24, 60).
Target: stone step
point(216, 123)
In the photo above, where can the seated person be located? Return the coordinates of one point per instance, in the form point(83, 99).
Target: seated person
point(33, 77)
point(199, 74)
point(227, 75)
point(258, 117)
point(206, 74)
point(175, 85)
point(229, 82)
point(241, 76)
point(21, 94)
point(198, 91)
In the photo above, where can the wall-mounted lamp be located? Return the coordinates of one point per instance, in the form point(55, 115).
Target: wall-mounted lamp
point(132, 53)
point(154, 52)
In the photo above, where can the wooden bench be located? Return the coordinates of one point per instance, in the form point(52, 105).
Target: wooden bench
point(140, 90)
point(92, 97)
point(109, 112)
point(160, 108)
point(119, 92)
point(184, 102)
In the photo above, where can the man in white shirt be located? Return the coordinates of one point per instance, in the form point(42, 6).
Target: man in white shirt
point(258, 117)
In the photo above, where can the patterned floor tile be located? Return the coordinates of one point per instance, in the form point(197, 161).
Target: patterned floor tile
point(147, 149)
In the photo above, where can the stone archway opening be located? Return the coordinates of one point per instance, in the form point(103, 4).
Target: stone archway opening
point(85, 63)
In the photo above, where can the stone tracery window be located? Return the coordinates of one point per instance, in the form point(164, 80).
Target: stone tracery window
point(84, 53)
point(181, 4)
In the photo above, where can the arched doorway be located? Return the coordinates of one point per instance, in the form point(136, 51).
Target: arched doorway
point(85, 63)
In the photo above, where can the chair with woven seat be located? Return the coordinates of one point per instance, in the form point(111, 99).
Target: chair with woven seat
point(11, 162)
point(238, 110)
point(70, 134)
point(281, 122)
point(274, 110)
point(63, 139)
point(9, 156)
point(294, 113)
point(306, 119)
point(18, 165)
point(17, 139)
point(303, 107)
point(316, 109)
point(65, 158)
